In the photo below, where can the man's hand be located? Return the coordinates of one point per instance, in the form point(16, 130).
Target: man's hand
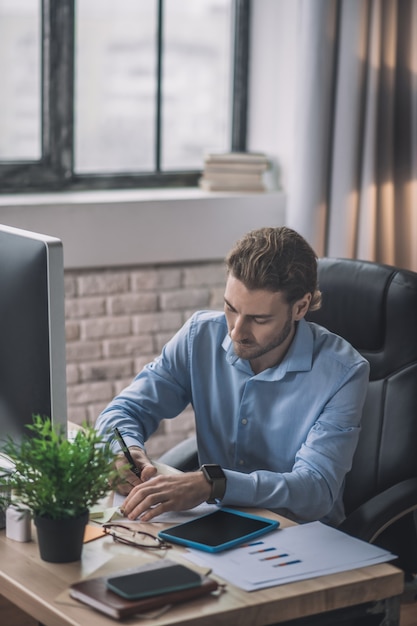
point(130, 479)
point(166, 493)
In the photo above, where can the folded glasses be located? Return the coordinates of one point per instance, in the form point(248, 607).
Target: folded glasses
point(135, 538)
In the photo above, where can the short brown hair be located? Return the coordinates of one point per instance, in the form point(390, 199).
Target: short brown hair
point(276, 259)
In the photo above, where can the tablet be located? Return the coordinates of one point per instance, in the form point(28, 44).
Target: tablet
point(221, 530)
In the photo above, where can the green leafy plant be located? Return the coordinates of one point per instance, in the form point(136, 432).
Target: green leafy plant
point(58, 478)
point(4, 491)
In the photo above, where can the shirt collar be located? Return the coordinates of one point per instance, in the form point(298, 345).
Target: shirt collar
point(299, 357)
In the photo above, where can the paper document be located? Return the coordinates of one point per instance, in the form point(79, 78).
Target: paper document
point(174, 517)
point(290, 554)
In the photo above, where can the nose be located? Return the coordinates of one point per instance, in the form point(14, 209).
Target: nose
point(238, 330)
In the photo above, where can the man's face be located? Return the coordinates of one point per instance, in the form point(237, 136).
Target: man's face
point(261, 323)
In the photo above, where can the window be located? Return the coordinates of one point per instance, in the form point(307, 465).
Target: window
point(103, 94)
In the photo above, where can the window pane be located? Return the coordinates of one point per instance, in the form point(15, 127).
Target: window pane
point(20, 71)
point(197, 81)
point(115, 85)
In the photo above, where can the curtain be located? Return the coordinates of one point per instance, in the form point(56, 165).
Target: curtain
point(353, 186)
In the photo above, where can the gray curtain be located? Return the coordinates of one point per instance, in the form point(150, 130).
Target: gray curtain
point(353, 187)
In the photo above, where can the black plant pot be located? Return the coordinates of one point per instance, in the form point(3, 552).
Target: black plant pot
point(61, 540)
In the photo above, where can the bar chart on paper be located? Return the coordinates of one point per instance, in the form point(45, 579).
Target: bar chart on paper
point(272, 553)
point(291, 554)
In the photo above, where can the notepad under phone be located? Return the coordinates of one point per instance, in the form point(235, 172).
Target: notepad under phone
point(221, 530)
point(94, 592)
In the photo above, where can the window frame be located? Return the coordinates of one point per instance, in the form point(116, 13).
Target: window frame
point(54, 170)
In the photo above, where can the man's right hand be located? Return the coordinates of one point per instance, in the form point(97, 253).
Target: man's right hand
point(131, 479)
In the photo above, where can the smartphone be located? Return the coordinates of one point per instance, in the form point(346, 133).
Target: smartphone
point(154, 582)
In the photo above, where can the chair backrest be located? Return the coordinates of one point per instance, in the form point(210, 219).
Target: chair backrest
point(374, 307)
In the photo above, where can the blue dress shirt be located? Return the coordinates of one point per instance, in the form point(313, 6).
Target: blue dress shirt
point(285, 437)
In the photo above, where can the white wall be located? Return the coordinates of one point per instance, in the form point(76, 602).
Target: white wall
point(273, 75)
point(112, 228)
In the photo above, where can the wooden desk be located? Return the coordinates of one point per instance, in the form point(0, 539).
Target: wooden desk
point(39, 588)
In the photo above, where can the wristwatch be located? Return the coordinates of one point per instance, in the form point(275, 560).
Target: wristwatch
point(217, 479)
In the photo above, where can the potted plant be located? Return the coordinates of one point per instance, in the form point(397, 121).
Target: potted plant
point(59, 481)
point(5, 471)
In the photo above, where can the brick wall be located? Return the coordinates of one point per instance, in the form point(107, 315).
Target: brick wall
point(117, 320)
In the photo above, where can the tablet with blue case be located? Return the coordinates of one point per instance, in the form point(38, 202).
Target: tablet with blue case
point(221, 530)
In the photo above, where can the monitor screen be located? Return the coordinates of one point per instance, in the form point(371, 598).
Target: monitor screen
point(32, 331)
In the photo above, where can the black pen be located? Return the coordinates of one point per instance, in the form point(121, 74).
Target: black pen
point(127, 454)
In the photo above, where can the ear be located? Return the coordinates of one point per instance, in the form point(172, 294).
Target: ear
point(301, 307)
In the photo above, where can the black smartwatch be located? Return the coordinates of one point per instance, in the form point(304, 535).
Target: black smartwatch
point(217, 479)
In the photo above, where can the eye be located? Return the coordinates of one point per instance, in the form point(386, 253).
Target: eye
point(261, 320)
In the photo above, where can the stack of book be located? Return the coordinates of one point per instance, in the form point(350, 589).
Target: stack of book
point(234, 171)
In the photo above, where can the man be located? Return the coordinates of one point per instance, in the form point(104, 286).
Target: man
point(277, 400)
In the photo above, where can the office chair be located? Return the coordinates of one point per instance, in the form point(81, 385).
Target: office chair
point(374, 307)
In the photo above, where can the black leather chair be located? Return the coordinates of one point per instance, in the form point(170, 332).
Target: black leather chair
point(374, 307)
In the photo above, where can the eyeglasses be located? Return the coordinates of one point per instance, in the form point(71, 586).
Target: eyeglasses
point(135, 538)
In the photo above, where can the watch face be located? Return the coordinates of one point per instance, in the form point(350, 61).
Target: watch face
point(214, 471)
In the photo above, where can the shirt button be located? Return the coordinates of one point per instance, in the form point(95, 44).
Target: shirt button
point(241, 462)
point(244, 421)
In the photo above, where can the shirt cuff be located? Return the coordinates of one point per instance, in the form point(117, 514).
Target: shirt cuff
point(130, 441)
point(240, 489)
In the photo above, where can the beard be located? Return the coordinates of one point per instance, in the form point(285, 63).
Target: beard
point(249, 351)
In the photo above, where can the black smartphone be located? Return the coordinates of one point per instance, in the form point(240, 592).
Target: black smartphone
point(154, 582)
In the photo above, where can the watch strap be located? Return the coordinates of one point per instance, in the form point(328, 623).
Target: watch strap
point(217, 479)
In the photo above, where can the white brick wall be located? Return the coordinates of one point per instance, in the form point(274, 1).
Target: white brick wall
point(117, 320)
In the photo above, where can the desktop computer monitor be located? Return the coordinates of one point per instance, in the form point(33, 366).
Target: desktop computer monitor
point(32, 331)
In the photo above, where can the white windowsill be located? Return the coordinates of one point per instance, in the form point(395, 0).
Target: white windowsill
point(134, 227)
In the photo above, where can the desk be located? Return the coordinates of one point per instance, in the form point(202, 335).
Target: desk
point(34, 586)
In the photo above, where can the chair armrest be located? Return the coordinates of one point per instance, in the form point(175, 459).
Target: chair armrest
point(370, 519)
point(183, 456)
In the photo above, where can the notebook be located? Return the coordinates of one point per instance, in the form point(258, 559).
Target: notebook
point(95, 593)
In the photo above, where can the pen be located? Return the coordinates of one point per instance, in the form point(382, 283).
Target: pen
point(126, 452)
